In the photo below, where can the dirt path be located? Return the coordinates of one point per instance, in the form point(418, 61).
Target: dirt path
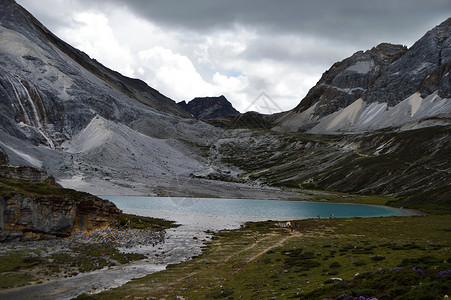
point(266, 249)
point(233, 254)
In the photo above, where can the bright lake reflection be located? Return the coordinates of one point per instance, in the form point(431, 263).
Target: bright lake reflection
point(263, 209)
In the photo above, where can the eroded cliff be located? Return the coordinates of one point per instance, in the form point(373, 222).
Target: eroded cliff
point(35, 208)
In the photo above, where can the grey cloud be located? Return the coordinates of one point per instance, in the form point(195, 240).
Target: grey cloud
point(349, 20)
point(284, 50)
point(323, 31)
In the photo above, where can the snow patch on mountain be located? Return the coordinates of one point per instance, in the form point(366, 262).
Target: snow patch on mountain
point(362, 67)
point(412, 112)
point(28, 158)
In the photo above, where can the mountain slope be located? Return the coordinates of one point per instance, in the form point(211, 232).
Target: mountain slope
point(97, 131)
point(51, 93)
point(206, 108)
point(387, 86)
point(377, 123)
point(93, 129)
point(412, 164)
point(54, 90)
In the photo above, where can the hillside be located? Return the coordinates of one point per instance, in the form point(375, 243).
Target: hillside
point(388, 86)
point(206, 108)
point(377, 123)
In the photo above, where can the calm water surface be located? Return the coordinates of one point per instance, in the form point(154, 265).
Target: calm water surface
point(243, 208)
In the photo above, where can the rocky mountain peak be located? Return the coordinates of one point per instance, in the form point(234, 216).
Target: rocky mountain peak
point(386, 86)
point(51, 91)
point(381, 73)
point(348, 80)
point(423, 68)
point(206, 108)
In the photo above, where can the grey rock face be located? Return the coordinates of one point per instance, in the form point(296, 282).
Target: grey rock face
point(50, 91)
point(3, 157)
point(205, 108)
point(348, 80)
point(387, 74)
point(52, 94)
point(424, 67)
point(28, 174)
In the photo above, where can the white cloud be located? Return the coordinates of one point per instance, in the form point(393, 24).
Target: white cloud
point(239, 61)
point(172, 73)
point(91, 33)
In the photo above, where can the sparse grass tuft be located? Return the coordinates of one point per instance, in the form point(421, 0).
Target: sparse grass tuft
point(388, 253)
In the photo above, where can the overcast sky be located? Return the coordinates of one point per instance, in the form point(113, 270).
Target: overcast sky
point(237, 48)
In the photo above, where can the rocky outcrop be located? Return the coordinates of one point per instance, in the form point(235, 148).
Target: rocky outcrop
point(28, 174)
point(207, 108)
point(423, 68)
point(388, 86)
point(3, 157)
point(33, 217)
point(33, 207)
point(348, 80)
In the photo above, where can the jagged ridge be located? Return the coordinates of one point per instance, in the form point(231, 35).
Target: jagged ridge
point(206, 108)
point(387, 86)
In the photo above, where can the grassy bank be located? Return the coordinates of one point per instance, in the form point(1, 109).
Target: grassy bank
point(395, 257)
point(24, 263)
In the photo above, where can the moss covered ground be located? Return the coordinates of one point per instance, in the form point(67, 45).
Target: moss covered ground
point(145, 223)
point(12, 186)
point(22, 264)
point(385, 258)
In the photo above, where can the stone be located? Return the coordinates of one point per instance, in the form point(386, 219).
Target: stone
point(33, 207)
point(29, 174)
point(3, 157)
point(206, 108)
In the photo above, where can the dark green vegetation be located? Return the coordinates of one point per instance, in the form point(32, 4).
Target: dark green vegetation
point(10, 186)
point(402, 257)
point(20, 267)
point(147, 223)
point(413, 166)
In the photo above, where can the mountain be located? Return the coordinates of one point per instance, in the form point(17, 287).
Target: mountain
point(53, 96)
point(53, 90)
point(377, 123)
point(93, 129)
point(206, 108)
point(388, 86)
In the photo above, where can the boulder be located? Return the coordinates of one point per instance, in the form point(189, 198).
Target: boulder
point(32, 206)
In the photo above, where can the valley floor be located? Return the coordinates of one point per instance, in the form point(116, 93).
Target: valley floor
point(384, 257)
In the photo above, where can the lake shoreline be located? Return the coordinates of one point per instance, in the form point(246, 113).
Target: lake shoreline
point(191, 237)
point(262, 260)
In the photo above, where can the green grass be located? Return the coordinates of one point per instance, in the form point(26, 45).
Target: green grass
point(10, 280)
point(18, 260)
point(146, 223)
point(78, 258)
point(8, 185)
point(302, 264)
point(16, 267)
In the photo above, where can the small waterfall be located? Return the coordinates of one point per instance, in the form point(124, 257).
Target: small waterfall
point(31, 116)
point(19, 100)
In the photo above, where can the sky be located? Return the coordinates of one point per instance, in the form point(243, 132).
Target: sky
point(263, 55)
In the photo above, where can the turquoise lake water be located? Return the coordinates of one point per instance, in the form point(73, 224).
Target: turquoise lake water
point(263, 209)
